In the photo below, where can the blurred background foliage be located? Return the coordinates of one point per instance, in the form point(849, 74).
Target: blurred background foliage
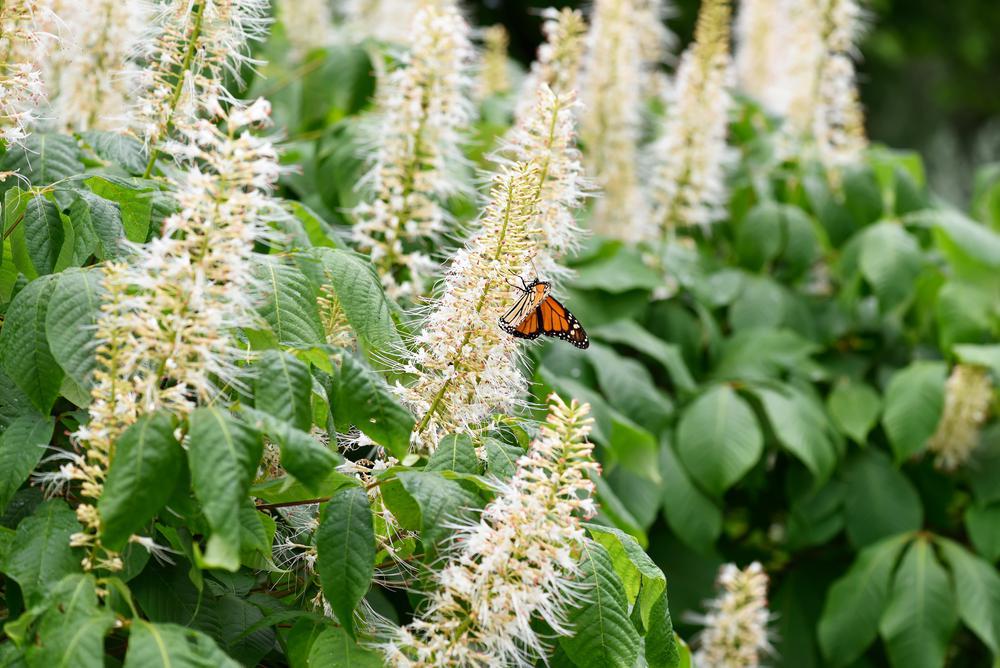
point(930, 76)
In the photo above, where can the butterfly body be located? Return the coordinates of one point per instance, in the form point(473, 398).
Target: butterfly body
point(537, 312)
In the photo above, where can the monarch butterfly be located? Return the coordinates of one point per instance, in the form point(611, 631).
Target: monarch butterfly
point(537, 312)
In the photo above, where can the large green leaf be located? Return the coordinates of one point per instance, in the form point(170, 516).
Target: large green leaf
point(662, 648)
point(223, 454)
point(40, 554)
point(854, 407)
point(977, 586)
point(442, 503)
point(134, 200)
point(306, 459)
point(922, 613)
point(44, 234)
point(890, 261)
point(642, 580)
point(70, 318)
point(691, 514)
point(345, 545)
point(25, 355)
point(855, 603)
point(879, 501)
point(98, 226)
point(361, 296)
point(603, 635)
point(71, 632)
point(143, 474)
point(914, 400)
point(718, 439)
point(121, 149)
point(362, 399)
point(629, 388)
point(43, 159)
point(334, 648)
point(801, 427)
point(283, 388)
point(455, 452)
point(983, 525)
point(22, 445)
point(288, 304)
point(172, 646)
point(629, 333)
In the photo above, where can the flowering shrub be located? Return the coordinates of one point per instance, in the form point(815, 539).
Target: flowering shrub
point(257, 406)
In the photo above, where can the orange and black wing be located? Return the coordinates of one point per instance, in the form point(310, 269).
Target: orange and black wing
point(554, 319)
point(529, 328)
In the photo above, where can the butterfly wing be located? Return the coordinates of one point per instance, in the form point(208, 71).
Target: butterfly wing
point(521, 320)
point(557, 321)
point(530, 328)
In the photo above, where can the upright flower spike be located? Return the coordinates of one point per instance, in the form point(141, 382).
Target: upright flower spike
point(838, 124)
point(559, 58)
point(195, 44)
point(968, 396)
point(762, 53)
point(614, 81)
point(308, 24)
point(426, 110)
point(465, 367)
point(735, 634)
point(516, 565)
point(387, 20)
point(545, 135)
point(688, 186)
point(22, 45)
point(165, 329)
point(494, 77)
point(94, 88)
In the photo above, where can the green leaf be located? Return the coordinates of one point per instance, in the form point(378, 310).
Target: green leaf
point(172, 646)
point(98, 226)
point(801, 427)
point(455, 452)
point(983, 525)
point(879, 500)
point(361, 296)
point(629, 388)
point(890, 261)
point(43, 230)
point(662, 649)
point(640, 577)
point(619, 272)
point(287, 488)
point(288, 304)
point(629, 333)
point(22, 445)
point(977, 587)
point(340, 85)
point(40, 555)
point(223, 454)
point(283, 388)
point(987, 356)
point(143, 474)
point(120, 149)
point(921, 615)
point(501, 458)
point(762, 304)
point(914, 400)
point(963, 313)
point(854, 407)
point(362, 399)
point(762, 354)
point(306, 459)
point(71, 632)
point(692, 515)
point(134, 200)
point(345, 544)
point(855, 603)
point(442, 502)
point(718, 439)
point(334, 648)
point(603, 634)
point(70, 319)
point(43, 159)
point(25, 355)
point(759, 235)
point(319, 231)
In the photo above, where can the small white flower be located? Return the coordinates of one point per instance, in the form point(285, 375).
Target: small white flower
point(736, 633)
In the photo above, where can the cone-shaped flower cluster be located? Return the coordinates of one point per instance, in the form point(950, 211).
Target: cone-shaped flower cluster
point(165, 327)
point(517, 565)
point(545, 135)
point(735, 634)
point(615, 78)
point(465, 366)
point(22, 88)
point(426, 109)
point(688, 186)
point(494, 77)
point(195, 46)
point(94, 89)
point(968, 396)
point(763, 67)
point(560, 57)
